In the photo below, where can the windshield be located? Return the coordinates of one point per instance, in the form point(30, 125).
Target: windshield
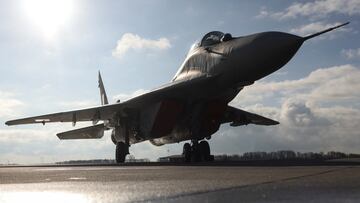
point(193, 47)
point(211, 38)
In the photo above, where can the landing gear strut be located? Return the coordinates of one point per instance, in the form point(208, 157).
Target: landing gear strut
point(122, 150)
point(197, 151)
point(187, 152)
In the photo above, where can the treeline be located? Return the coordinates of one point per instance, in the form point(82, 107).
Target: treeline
point(93, 161)
point(130, 158)
point(287, 155)
point(247, 156)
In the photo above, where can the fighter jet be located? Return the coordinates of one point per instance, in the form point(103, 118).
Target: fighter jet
point(194, 104)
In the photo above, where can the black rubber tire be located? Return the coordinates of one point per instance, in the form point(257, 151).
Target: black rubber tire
point(195, 153)
point(121, 151)
point(204, 150)
point(187, 152)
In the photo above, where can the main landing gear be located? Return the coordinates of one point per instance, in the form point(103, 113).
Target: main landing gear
point(197, 152)
point(122, 150)
point(122, 147)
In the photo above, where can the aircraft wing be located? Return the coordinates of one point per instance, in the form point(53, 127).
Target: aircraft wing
point(88, 114)
point(174, 90)
point(239, 117)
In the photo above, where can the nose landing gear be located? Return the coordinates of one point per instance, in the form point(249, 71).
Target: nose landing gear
point(197, 152)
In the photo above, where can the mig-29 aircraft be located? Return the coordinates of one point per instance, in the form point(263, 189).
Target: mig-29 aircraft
point(195, 103)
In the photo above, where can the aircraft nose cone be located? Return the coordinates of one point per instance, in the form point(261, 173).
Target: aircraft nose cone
point(263, 53)
point(278, 48)
point(275, 49)
point(278, 43)
point(267, 45)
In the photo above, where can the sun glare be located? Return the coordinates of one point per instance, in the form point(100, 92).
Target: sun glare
point(48, 15)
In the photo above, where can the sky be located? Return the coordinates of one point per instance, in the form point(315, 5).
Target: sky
point(51, 51)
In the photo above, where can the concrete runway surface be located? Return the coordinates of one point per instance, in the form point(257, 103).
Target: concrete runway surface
point(171, 183)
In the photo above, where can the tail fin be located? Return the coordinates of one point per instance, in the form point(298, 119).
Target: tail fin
point(104, 99)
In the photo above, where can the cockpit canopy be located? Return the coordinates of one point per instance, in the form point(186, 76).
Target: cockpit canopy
point(214, 37)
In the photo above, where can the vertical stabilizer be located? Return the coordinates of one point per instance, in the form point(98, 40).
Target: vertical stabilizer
point(103, 96)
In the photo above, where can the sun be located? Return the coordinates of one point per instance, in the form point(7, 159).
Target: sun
point(49, 16)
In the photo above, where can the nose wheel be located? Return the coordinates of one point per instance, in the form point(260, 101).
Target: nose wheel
point(197, 152)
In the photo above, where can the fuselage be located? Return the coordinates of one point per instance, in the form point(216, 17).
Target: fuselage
point(240, 60)
point(232, 64)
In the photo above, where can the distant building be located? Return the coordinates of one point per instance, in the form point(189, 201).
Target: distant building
point(131, 159)
point(173, 158)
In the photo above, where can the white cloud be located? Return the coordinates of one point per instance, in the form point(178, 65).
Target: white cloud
point(9, 106)
point(315, 9)
point(131, 41)
point(351, 53)
point(24, 136)
point(319, 112)
point(337, 83)
point(295, 113)
point(314, 27)
point(263, 13)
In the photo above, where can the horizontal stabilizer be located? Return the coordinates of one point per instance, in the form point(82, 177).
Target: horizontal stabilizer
point(239, 117)
point(91, 132)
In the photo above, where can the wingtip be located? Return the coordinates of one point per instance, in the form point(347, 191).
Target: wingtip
point(273, 122)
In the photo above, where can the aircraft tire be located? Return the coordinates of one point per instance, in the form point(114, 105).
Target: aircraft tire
point(204, 150)
point(195, 153)
point(187, 152)
point(121, 151)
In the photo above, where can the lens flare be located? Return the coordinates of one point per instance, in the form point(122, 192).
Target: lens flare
point(49, 16)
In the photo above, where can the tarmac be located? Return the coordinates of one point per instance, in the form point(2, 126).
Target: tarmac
point(180, 183)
